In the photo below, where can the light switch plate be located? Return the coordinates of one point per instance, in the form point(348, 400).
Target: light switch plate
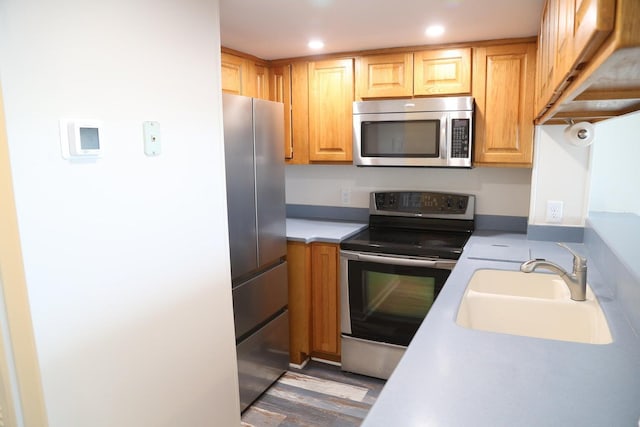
point(152, 143)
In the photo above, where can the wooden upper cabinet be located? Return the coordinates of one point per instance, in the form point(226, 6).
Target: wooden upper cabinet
point(442, 71)
point(563, 29)
point(330, 110)
point(503, 86)
point(259, 76)
point(546, 64)
point(592, 21)
point(300, 113)
point(571, 33)
point(244, 76)
point(280, 91)
point(381, 76)
point(235, 76)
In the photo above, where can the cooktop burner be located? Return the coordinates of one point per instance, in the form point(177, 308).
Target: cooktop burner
point(417, 224)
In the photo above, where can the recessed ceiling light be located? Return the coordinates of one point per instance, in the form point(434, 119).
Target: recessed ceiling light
point(315, 44)
point(434, 30)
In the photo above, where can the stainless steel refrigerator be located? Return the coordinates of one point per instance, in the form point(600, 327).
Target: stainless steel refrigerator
point(254, 161)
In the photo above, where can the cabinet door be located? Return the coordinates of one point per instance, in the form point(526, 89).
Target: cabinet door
point(259, 76)
point(300, 113)
point(442, 72)
point(330, 110)
point(299, 272)
point(325, 303)
point(564, 41)
point(234, 74)
point(385, 75)
point(546, 72)
point(503, 80)
point(280, 91)
point(592, 22)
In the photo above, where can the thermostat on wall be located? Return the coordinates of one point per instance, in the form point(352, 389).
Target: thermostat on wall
point(80, 139)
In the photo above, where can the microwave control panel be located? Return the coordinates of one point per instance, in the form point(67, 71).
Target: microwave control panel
point(460, 138)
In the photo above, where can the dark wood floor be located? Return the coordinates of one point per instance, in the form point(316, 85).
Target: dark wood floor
point(318, 395)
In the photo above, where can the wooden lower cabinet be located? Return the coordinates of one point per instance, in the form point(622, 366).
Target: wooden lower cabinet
point(313, 301)
point(325, 302)
point(299, 271)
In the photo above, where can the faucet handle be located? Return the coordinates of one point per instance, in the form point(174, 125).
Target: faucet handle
point(579, 262)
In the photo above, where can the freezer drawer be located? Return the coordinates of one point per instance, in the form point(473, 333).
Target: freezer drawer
point(259, 298)
point(262, 358)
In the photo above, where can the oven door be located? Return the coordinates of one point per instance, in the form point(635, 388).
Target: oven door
point(386, 298)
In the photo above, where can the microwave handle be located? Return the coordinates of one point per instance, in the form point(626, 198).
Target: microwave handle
point(410, 262)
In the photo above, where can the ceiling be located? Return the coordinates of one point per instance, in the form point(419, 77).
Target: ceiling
point(274, 29)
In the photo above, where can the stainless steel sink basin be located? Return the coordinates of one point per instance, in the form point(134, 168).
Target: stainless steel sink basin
point(531, 304)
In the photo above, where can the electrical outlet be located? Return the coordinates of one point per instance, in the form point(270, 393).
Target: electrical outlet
point(554, 211)
point(345, 196)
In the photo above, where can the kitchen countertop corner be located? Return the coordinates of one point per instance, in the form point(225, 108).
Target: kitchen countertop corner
point(314, 230)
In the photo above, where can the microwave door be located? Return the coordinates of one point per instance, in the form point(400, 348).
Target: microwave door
point(401, 139)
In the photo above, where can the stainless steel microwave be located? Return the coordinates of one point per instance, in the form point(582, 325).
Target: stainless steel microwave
point(436, 132)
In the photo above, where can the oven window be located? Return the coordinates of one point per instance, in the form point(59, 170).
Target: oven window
point(387, 302)
point(410, 138)
point(397, 295)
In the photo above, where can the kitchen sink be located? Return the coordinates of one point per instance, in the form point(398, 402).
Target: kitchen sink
point(531, 304)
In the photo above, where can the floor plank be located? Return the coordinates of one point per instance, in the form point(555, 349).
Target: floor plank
point(333, 388)
point(317, 395)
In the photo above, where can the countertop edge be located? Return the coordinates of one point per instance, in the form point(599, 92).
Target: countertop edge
point(324, 231)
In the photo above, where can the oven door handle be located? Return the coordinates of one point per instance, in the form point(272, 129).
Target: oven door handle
point(410, 262)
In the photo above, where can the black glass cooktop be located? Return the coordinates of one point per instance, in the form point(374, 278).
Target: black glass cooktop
point(433, 244)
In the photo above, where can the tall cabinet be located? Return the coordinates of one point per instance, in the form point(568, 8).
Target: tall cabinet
point(330, 110)
point(503, 87)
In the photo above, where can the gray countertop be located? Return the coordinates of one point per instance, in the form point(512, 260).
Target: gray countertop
point(312, 230)
point(452, 376)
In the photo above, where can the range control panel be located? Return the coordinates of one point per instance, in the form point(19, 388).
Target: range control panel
point(422, 203)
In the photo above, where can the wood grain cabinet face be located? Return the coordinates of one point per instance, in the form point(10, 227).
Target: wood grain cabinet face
point(330, 110)
point(442, 72)
point(314, 314)
point(325, 302)
point(280, 91)
point(299, 276)
point(503, 80)
point(259, 75)
point(234, 74)
point(381, 76)
point(571, 32)
point(546, 64)
point(593, 21)
point(243, 76)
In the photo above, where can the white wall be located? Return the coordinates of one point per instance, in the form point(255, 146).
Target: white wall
point(126, 258)
point(499, 191)
point(615, 181)
point(560, 173)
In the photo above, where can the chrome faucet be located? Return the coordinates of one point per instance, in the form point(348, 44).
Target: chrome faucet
point(576, 281)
